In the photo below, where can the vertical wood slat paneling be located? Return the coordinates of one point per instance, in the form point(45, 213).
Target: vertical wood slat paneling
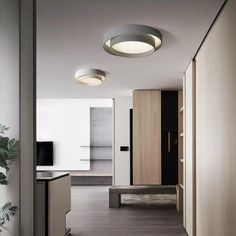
point(137, 161)
point(216, 128)
point(147, 137)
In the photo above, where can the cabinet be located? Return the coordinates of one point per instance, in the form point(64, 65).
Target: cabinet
point(53, 202)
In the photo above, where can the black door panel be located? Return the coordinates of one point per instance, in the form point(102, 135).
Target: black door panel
point(169, 137)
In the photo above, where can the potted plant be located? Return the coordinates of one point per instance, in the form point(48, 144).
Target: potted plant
point(9, 149)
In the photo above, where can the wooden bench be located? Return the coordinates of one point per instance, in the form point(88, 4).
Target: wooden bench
point(116, 191)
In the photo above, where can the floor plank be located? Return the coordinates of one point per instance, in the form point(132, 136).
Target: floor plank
point(91, 216)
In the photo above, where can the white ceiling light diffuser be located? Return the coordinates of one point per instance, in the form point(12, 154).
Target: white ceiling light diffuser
point(90, 77)
point(132, 41)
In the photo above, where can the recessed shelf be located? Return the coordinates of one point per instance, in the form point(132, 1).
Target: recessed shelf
point(181, 109)
point(181, 160)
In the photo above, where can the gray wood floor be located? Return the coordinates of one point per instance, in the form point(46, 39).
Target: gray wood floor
point(90, 216)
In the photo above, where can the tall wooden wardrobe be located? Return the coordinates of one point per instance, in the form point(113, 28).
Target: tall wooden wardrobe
point(155, 137)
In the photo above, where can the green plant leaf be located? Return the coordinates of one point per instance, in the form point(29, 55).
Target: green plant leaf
point(6, 212)
point(13, 149)
point(3, 164)
point(3, 152)
point(3, 129)
point(9, 150)
point(3, 179)
point(4, 142)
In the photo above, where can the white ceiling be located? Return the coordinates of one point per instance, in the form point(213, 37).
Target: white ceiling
point(70, 35)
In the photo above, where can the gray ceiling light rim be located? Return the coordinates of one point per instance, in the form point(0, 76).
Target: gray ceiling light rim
point(130, 29)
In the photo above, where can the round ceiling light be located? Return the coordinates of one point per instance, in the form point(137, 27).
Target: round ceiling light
point(132, 41)
point(91, 77)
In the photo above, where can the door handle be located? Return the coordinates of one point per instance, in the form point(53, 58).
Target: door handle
point(169, 146)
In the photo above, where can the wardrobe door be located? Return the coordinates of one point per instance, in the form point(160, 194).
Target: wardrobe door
point(147, 137)
point(169, 137)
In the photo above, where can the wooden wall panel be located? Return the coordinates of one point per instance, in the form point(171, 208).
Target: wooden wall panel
point(151, 137)
point(137, 161)
point(216, 128)
point(147, 137)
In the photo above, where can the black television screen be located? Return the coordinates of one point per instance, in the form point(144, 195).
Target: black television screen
point(44, 153)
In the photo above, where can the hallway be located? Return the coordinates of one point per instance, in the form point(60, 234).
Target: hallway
point(90, 216)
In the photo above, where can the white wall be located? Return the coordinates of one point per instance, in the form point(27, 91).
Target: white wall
point(66, 122)
point(190, 150)
point(122, 108)
point(9, 96)
point(216, 128)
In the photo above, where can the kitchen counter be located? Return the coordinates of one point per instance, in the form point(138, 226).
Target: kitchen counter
point(53, 202)
point(50, 175)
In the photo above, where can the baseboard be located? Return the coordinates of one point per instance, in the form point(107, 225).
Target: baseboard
point(91, 180)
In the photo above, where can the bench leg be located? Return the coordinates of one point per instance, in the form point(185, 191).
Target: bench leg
point(114, 200)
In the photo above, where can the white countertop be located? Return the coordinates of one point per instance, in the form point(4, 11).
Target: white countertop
point(50, 175)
